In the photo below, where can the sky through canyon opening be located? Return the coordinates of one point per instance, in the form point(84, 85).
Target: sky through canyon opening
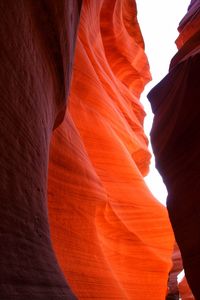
point(158, 22)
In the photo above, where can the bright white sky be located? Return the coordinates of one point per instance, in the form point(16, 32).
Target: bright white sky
point(158, 21)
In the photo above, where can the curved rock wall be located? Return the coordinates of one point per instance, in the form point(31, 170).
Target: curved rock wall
point(36, 55)
point(111, 236)
point(175, 139)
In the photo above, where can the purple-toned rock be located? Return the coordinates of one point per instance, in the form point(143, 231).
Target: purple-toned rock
point(37, 47)
point(175, 138)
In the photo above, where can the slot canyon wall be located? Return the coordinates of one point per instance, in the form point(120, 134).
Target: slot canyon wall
point(175, 138)
point(37, 42)
point(112, 238)
point(77, 219)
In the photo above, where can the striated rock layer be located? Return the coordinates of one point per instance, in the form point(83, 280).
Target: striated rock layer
point(112, 238)
point(175, 138)
point(109, 235)
point(37, 41)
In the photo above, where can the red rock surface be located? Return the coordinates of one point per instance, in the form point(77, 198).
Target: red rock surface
point(185, 291)
point(175, 138)
point(112, 238)
point(173, 290)
point(36, 56)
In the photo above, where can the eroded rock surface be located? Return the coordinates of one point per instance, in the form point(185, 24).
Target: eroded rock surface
point(37, 41)
point(175, 137)
point(112, 238)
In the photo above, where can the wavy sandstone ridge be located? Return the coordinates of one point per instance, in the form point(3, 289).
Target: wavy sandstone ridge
point(112, 238)
point(175, 139)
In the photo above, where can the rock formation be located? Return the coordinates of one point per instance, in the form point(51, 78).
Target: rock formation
point(173, 289)
point(110, 236)
point(37, 41)
point(175, 138)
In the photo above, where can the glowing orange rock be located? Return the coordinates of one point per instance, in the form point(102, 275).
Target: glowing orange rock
point(112, 238)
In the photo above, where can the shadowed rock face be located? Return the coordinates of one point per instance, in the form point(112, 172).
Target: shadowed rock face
point(37, 46)
point(177, 267)
point(175, 138)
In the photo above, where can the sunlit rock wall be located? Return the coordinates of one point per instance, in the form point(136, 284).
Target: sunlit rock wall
point(175, 137)
point(111, 236)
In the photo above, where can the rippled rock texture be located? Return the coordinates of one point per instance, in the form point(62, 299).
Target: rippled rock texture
point(175, 137)
point(110, 236)
point(37, 41)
